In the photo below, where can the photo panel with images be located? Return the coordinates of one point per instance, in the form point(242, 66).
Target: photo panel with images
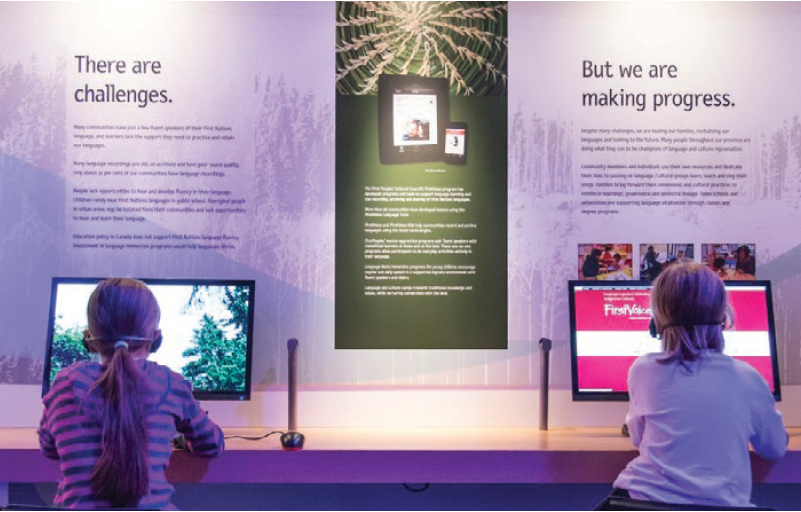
point(655, 257)
point(731, 261)
point(605, 262)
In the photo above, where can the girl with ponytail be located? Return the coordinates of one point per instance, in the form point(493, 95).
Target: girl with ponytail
point(111, 422)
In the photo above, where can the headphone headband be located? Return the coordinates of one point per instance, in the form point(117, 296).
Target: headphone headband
point(693, 324)
point(654, 334)
point(122, 338)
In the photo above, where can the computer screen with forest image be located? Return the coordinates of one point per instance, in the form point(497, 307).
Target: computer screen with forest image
point(206, 327)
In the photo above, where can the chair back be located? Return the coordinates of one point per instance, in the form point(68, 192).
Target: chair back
point(619, 503)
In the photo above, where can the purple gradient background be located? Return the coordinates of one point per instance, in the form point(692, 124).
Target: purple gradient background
point(291, 220)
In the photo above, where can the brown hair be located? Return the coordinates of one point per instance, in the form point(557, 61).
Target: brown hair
point(122, 310)
point(690, 308)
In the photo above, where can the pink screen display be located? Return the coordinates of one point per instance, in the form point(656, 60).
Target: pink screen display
point(612, 331)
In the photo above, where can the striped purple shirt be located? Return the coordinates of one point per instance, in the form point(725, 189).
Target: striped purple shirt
point(71, 432)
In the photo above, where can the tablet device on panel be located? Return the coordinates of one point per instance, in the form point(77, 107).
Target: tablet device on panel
point(609, 330)
point(206, 326)
point(413, 112)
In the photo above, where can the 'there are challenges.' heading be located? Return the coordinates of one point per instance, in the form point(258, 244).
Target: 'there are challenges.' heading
point(112, 93)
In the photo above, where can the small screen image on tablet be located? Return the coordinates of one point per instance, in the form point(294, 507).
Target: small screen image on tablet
point(456, 143)
point(415, 116)
point(412, 114)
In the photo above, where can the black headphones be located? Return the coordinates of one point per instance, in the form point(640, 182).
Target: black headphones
point(153, 346)
point(156, 343)
point(654, 334)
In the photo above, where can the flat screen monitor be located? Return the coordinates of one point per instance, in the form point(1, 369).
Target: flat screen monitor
point(609, 330)
point(206, 325)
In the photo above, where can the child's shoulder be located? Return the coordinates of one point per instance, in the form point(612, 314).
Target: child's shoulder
point(162, 377)
point(79, 370)
point(162, 371)
point(77, 377)
point(649, 359)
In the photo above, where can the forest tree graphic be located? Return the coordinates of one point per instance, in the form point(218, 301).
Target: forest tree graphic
point(293, 224)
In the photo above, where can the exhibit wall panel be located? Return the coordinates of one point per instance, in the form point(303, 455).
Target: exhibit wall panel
point(636, 125)
point(217, 163)
point(220, 164)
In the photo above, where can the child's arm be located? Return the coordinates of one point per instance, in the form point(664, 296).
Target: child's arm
point(635, 419)
point(203, 436)
point(47, 443)
point(636, 426)
point(770, 437)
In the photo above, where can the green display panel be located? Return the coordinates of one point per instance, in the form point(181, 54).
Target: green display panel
point(421, 248)
point(421, 175)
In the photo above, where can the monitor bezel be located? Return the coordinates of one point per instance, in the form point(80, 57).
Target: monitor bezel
point(623, 396)
point(198, 394)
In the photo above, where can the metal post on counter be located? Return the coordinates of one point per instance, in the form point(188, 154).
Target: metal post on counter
point(545, 357)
